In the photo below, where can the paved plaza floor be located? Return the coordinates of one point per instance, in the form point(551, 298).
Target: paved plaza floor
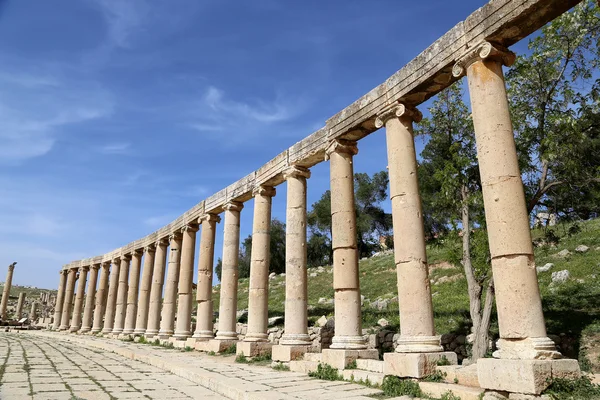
point(33, 367)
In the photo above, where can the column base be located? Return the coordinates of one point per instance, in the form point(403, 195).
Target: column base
point(73, 329)
point(227, 336)
point(253, 349)
point(348, 343)
point(527, 349)
point(191, 342)
point(96, 330)
point(127, 332)
point(149, 334)
point(182, 335)
point(524, 376)
point(286, 353)
point(141, 332)
point(415, 365)
point(85, 329)
point(256, 337)
point(203, 335)
point(419, 344)
point(340, 358)
point(215, 345)
point(295, 339)
point(117, 332)
point(107, 331)
point(164, 335)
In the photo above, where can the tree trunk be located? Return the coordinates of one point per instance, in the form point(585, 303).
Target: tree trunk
point(481, 333)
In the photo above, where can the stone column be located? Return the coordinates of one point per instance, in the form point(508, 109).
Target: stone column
point(6, 291)
point(156, 291)
point(76, 320)
point(167, 323)
point(255, 342)
point(101, 297)
point(65, 320)
point(132, 292)
point(417, 333)
point(229, 277)
point(123, 288)
point(86, 323)
point(348, 327)
point(111, 301)
point(62, 286)
point(20, 303)
point(204, 319)
point(295, 340)
point(186, 277)
point(520, 317)
point(141, 321)
point(33, 312)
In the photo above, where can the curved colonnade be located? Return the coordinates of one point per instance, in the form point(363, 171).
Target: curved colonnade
point(475, 48)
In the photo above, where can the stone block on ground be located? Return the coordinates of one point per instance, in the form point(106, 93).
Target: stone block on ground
point(523, 376)
point(370, 365)
point(303, 366)
point(340, 359)
point(283, 353)
point(437, 390)
point(358, 375)
point(215, 346)
point(415, 365)
point(253, 349)
point(466, 376)
point(313, 357)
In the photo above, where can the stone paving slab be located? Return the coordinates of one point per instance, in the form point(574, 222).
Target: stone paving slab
point(189, 373)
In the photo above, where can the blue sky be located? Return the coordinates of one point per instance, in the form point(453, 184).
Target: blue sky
point(117, 116)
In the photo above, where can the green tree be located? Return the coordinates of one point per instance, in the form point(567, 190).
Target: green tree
point(452, 196)
point(277, 243)
point(550, 92)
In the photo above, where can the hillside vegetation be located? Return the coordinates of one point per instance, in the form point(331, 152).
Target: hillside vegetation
point(572, 308)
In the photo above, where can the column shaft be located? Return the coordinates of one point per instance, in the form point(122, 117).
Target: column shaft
point(20, 303)
point(111, 301)
point(258, 296)
point(229, 273)
point(60, 296)
point(518, 300)
point(186, 277)
point(141, 322)
point(167, 323)
point(123, 288)
point(348, 327)
point(132, 292)
point(68, 300)
point(156, 291)
point(204, 318)
point(86, 323)
point(296, 280)
point(76, 320)
point(6, 291)
point(101, 297)
point(417, 333)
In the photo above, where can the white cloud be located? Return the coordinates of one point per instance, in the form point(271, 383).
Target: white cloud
point(124, 19)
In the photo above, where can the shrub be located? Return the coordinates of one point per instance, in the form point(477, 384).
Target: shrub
point(573, 389)
point(395, 387)
point(326, 372)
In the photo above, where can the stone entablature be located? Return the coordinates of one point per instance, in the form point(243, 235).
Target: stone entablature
point(503, 22)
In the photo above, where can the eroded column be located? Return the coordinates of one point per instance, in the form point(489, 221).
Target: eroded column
point(141, 322)
point(132, 292)
point(60, 296)
point(20, 302)
point(86, 323)
point(65, 320)
point(156, 291)
point(183, 328)
point(121, 307)
point(6, 291)
point(101, 298)
point(258, 296)
point(348, 323)
point(417, 332)
point(167, 323)
point(76, 320)
point(229, 274)
point(33, 312)
point(204, 319)
point(111, 301)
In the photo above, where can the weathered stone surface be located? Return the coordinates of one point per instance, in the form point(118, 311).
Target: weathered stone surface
point(414, 365)
point(339, 358)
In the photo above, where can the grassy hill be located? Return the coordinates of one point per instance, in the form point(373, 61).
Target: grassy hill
point(571, 308)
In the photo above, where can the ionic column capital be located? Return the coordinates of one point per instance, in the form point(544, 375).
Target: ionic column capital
point(151, 248)
point(64, 272)
point(125, 257)
point(233, 206)
point(210, 218)
point(137, 253)
point(96, 267)
point(482, 51)
point(175, 236)
point(296, 171)
point(84, 268)
point(398, 111)
point(341, 146)
point(164, 242)
point(190, 228)
point(117, 260)
point(263, 190)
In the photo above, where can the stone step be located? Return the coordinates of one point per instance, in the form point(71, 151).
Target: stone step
point(303, 366)
point(312, 357)
point(465, 376)
point(369, 365)
point(360, 375)
point(437, 390)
